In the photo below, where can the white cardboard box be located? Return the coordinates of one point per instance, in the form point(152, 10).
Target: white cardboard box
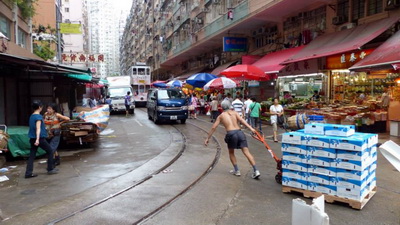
point(349, 183)
point(328, 171)
point(350, 193)
point(351, 143)
point(320, 161)
point(316, 140)
point(299, 149)
point(352, 164)
point(323, 188)
point(352, 174)
point(292, 138)
point(354, 155)
point(339, 130)
point(294, 157)
point(294, 174)
point(292, 182)
point(321, 152)
point(318, 178)
point(316, 128)
point(294, 166)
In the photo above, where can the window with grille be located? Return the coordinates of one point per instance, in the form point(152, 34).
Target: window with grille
point(358, 9)
point(5, 26)
point(375, 7)
point(343, 8)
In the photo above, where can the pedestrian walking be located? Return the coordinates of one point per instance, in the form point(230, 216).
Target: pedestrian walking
point(235, 138)
point(37, 138)
point(128, 102)
point(214, 109)
point(52, 121)
point(255, 111)
point(276, 110)
point(193, 106)
point(247, 104)
point(237, 105)
point(108, 102)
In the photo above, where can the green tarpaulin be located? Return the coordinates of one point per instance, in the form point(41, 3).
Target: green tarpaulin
point(84, 77)
point(18, 144)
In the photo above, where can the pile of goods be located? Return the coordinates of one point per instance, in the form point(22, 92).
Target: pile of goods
point(330, 159)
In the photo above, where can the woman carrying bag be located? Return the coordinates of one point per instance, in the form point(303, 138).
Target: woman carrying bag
point(276, 111)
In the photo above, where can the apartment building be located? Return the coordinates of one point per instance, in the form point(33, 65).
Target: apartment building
point(104, 34)
point(186, 36)
point(74, 12)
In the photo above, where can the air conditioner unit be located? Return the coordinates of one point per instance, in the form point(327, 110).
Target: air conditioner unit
point(347, 26)
point(216, 1)
point(178, 18)
point(199, 21)
point(392, 4)
point(206, 10)
point(338, 20)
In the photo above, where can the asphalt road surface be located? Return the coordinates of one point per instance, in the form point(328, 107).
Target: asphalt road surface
point(140, 172)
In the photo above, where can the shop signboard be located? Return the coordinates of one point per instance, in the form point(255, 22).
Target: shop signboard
point(70, 28)
point(253, 83)
point(235, 44)
point(303, 67)
point(347, 59)
point(81, 57)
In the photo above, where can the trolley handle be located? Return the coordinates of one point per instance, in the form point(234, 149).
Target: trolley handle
point(5, 127)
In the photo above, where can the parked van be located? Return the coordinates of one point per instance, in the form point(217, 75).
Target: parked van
point(167, 104)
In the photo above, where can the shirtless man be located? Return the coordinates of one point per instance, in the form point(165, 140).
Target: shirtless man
point(235, 138)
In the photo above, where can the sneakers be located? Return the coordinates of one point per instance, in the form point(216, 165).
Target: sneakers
point(53, 171)
point(234, 172)
point(256, 174)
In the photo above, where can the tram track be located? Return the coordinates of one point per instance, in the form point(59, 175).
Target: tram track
point(179, 128)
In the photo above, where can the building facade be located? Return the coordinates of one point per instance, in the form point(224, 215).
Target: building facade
point(104, 34)
point(179, 37)
point(74, 12)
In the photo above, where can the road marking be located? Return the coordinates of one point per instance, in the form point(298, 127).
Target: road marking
point(139, 123)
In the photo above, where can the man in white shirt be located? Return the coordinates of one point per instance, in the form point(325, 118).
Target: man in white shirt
point(238, 106)
point(247, 104)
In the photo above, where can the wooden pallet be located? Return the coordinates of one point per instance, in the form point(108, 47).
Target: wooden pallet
point(331, 198)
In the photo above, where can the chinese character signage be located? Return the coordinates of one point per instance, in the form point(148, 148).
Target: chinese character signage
point(347, 59)
point(235, 44)
point(81, 57)
point(302, 67)
point(70, 28)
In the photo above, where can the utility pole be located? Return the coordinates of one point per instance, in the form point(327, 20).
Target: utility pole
point(58, 21)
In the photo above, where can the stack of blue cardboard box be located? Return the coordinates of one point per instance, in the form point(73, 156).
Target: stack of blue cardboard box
point(331, 159)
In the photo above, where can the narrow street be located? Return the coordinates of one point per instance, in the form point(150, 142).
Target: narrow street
point(140, 172)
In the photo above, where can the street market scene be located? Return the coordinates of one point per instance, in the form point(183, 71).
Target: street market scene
point(200, 112)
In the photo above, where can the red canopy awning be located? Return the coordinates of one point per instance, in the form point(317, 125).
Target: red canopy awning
point(270, 63)
point(343, 41)
point(387, 54)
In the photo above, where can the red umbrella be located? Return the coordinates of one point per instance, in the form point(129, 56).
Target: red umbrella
point(158, 81)
point(245, 72)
